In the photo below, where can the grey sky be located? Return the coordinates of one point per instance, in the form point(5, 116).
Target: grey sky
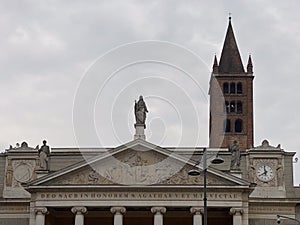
point(48, 46)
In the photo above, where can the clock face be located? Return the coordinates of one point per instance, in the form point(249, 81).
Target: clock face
point(265, 173)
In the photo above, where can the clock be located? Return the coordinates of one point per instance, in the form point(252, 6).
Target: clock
point(265, 173)
point(23, 173)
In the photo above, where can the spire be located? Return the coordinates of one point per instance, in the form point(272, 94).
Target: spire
point(215, 66)
point(249, 65)
point(230, 61)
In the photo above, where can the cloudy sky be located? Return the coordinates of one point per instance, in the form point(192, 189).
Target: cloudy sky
point(71, 70)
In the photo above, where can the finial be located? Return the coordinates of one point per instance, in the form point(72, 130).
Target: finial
point(229, 16)
point(215, 65)
point(249, 65)
point(215, 60)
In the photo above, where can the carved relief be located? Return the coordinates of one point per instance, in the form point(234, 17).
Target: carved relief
point(167, 171)
point(182, 177)
point(252, 174)
point(280, 176)
point(22, 171)
point(136, 167)
point(84, 177)
point(9, 173)
point(18, 171)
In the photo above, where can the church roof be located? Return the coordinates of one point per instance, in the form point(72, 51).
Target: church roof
point(230, 61)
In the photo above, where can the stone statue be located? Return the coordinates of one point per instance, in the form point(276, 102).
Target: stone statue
point(236, 155)
point(44, 152)
point(140, 110)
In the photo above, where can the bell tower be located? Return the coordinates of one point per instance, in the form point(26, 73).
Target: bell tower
point(231, 98)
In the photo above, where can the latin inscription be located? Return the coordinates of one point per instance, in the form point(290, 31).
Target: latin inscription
point(272, 210)
point(14, 209)
point(136, 196)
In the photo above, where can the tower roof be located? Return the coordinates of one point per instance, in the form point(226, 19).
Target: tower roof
point(249, 65)
point(215, 66)
point(230, 61)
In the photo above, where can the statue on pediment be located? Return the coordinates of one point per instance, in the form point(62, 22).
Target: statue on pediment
point(44, 153)
point(140, 110)
point(236, 155)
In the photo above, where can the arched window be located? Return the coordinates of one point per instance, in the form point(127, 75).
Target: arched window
point(239, 107)
point(225, 88)
point(226, 107)
point(238, 126)
point(232, 88)
point(232, 106)
point(227, 127)
point(239, 88)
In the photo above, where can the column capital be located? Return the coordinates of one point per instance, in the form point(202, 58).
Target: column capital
point(197, 210)
point(79, 210)
point(41, 210)
point(236, 211)
point(118, 210)
point(158, 210)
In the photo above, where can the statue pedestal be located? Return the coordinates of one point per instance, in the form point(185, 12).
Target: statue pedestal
point(139, 131)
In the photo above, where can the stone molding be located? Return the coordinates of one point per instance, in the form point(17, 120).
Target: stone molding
point(236, 211)
point(158, 210)
point(197, 210)
point(41, 211)
point(118, 210)
point(79, 210)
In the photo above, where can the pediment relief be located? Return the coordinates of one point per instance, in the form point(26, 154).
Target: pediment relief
point(86, 176)
point(182, 177)
point(131, 167)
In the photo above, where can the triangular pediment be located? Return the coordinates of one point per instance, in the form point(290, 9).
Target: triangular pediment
point(136, 163)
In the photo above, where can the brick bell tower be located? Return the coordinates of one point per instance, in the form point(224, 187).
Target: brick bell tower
point(231, 98)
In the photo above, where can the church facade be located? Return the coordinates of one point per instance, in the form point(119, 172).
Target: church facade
point(139, 183)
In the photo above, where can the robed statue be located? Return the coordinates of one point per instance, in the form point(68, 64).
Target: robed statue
point(236, 155)
point(140, 110)
point(44, 153)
